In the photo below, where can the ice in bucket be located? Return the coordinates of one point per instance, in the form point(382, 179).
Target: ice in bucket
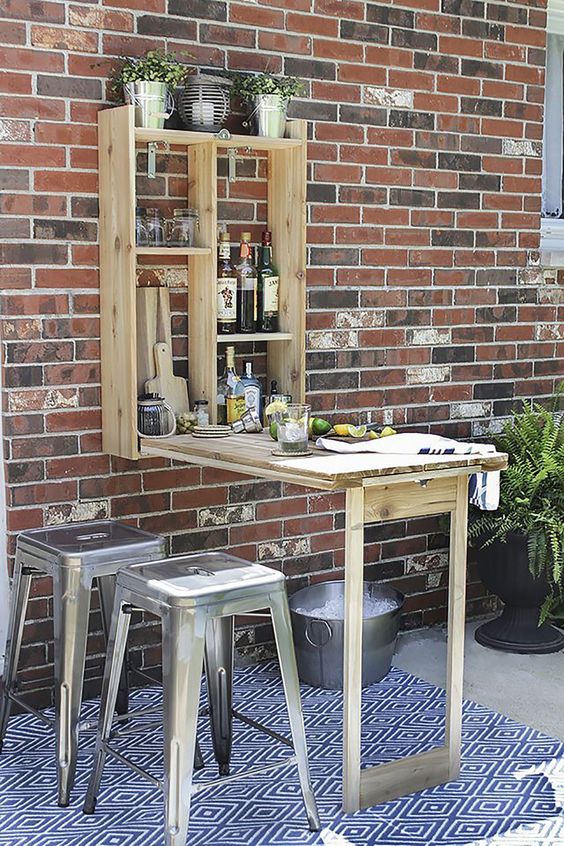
point(292, 429)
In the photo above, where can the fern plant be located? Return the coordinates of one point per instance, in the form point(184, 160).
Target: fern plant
point(532, 495)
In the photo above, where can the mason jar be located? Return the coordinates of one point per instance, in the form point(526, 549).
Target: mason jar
point(141, 236)
point(155, 226)
point(182, 228)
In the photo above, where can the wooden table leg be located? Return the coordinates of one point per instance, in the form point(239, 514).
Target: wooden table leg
point(456, 619)
point(352, 657)
point(382, 783)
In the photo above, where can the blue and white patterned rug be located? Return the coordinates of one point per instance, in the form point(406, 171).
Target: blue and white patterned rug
point(510, 791)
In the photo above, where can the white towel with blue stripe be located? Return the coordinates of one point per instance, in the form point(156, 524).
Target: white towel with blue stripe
point(483, 487)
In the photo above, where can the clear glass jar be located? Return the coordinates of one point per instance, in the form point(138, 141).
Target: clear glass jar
point(141, 237)
point(201, 410)
point(155, 227)
point(182, 228)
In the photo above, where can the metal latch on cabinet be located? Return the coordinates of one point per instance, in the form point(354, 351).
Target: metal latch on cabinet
point(152, 156)
point(225, 135)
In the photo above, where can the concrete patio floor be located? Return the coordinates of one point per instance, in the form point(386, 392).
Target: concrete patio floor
point(527, 688)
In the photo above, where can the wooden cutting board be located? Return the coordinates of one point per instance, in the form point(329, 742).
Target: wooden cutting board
point(172, 388)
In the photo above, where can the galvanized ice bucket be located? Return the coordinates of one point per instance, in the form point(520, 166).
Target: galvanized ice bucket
point(152, 100)
point(318, 639)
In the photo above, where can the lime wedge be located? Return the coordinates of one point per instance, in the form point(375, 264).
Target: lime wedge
point(357, 431)
point(348, 430)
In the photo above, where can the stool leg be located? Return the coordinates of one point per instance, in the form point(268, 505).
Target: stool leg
point(71, 607)
point(219, 676)
point(288, 668)
point(183, 657)
point(106, 588)
point(21, 584)
point(117, 642)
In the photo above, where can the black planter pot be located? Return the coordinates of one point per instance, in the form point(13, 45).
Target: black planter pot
point(504, 569)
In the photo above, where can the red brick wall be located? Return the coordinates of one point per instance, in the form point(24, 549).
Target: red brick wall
point(427, 305)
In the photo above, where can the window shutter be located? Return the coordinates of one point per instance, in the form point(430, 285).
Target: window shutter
point(553, 128)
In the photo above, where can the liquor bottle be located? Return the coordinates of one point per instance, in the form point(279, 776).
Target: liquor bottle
point(267, 288)
point(246, 287)
point(226, 289)
point(252, 388)
point(230, 392)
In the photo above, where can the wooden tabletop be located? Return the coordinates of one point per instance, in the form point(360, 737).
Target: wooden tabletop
point(252, 455)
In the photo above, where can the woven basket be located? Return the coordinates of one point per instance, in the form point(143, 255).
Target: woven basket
point(204, 102)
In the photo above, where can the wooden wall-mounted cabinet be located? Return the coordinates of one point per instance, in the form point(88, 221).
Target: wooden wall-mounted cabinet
point(125, 364)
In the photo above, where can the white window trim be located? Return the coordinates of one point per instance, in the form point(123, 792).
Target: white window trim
point(555, 17)
point(552, 242)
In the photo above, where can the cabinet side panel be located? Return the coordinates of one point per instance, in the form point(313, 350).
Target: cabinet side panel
point(202, 306)
point(117, 281)
point(287, 182)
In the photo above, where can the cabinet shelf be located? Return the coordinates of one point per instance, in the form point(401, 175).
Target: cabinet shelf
point(187, 138)
point(134, 318)
point(173, 251)
point(241, 338)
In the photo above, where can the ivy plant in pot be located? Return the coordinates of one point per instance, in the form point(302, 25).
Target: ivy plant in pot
point(521, 545)
point(269, 96)
point(147, 82)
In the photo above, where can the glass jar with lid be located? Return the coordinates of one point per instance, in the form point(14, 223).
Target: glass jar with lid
point(141, 236)
point(155, 227)
point(182, 228)
point(201, 410)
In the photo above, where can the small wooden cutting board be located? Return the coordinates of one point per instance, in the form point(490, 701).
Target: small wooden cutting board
point(172, 388)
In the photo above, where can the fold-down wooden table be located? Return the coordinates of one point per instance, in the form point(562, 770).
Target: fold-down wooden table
point(377, 488)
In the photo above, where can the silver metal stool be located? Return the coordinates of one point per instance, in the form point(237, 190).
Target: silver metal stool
point(74, 555)
point(189, 593)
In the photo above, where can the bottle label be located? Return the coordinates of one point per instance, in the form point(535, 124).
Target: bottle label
point(224, 250)
point(227, 299)
point(252, 397)
point(271, 285)
point(235, 407)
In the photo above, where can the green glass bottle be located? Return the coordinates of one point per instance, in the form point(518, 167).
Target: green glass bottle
point(268, 283)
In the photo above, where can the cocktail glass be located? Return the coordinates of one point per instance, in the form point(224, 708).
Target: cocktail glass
point(292, 428)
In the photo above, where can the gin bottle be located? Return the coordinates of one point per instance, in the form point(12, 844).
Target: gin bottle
point(252, 388)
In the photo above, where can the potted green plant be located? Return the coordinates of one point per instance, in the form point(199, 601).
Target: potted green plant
point(269, 96)
point(147, 82)
point(521, 545)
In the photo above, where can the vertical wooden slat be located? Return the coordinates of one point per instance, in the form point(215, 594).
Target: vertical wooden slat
point(117, 281)
point(153, 326)
point(456, 618)
point(352, 650)
point(202, 303)
point(287, 185)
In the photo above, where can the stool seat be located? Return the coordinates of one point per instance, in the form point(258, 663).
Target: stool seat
point(190, 580)
point(101, 546)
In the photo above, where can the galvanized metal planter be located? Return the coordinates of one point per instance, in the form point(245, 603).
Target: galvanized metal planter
point(152, 100)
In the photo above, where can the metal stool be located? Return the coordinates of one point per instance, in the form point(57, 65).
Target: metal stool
point(73, 554)
point(189, 592)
